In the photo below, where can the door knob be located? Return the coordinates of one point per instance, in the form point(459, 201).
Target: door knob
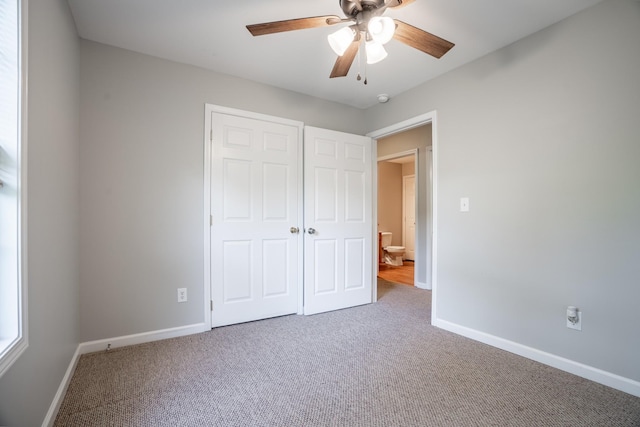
point(311, 231)
point(294, 230)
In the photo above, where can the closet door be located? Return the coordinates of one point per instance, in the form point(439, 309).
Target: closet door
point(255, 210)
point(338, 220)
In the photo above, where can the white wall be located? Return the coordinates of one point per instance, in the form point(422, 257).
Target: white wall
point(28, 388)
point(142, 124)
point(543, 137)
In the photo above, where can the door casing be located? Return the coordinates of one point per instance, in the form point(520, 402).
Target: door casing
point(406, 226)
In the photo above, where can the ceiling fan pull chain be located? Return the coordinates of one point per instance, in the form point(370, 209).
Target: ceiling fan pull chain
point(365, 72)
point(358, 78)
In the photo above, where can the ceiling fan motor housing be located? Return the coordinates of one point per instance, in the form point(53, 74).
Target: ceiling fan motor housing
point(351, 7)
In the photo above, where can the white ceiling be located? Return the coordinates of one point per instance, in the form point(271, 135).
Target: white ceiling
point(212, 34)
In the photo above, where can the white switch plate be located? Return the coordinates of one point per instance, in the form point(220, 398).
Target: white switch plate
point(464, 204)
point(182, 294)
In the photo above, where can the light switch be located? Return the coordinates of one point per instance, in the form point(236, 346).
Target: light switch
point(464, 204)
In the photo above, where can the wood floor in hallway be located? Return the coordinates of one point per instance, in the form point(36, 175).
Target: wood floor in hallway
point(400, 274)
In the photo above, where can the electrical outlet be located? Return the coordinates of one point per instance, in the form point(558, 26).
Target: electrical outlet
point(182, 294)
point(574, 318)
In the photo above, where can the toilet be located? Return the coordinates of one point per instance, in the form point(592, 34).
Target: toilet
point(392, 254)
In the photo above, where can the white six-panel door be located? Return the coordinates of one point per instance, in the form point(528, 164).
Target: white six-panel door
point(338, 220)
point(255, 202)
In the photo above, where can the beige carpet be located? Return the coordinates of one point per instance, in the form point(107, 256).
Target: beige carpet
point(375, 365)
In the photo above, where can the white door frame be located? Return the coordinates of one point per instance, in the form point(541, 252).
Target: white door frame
point(432, 180)
point(405, 178)
point(208, 110)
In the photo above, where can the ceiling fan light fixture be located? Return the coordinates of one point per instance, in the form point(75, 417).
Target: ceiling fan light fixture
point(341, 39)
point(375, 52)
point(368, 26)
point(381, 28)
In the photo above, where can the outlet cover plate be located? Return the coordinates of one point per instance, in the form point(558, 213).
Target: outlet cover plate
point(182, 294)
point(578, 325)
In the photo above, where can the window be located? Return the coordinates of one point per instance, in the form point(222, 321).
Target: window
point(13, 337)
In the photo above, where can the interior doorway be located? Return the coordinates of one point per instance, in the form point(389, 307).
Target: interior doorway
point(396, 217)
point(423, 128)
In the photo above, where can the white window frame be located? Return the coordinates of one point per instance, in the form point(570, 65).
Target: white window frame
point(12, 348)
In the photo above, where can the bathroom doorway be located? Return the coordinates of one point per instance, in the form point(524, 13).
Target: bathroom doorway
point(405, 166)
point(396, 216)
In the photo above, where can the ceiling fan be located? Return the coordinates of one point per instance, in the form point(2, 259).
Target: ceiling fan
point(368, 25)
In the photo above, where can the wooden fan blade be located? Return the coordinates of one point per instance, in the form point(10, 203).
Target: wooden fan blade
point(343, 63)
point(421, 40)
point(398, 3)
point(293, 24)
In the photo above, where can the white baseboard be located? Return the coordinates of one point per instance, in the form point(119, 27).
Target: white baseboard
point(50, 418)
point(423, 285)
point(99, 345)
point(585, 371)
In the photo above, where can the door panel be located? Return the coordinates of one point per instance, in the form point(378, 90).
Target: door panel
point(254, 203)
point(237, 190)
point(274, 271)
point(355, 187)
point(325, 253)
point(325, 194)
point(274, 192)
point(338, 220)
point(354, 265)
point(237, 280)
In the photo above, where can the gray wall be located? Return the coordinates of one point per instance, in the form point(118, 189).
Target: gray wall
point(419, 138)
point(27, 389)
point(142, 124)
point(543, 136)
